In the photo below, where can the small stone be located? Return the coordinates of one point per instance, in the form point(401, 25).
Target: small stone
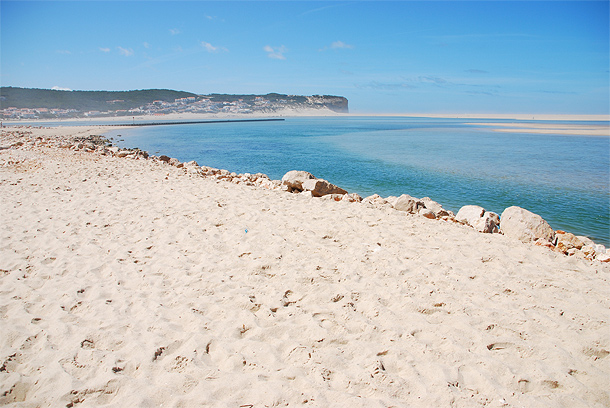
point(603, 257)
point(376, 201)
point(427, 213)
point(566, 241)
point(351, 198)
point(175, 162)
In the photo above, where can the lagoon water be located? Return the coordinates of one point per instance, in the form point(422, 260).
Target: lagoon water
point(565, 179)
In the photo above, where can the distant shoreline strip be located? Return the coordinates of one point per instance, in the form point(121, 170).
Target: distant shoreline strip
point(196, 122)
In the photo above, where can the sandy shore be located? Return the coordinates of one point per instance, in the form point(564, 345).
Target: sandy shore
point(512, 116)
point(546, 128)
point(131, 282)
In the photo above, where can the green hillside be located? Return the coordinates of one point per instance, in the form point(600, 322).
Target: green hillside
point(84, 100)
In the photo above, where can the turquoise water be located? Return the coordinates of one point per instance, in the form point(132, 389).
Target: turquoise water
point(565, 179)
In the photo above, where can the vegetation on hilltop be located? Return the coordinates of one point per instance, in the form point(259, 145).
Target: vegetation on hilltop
point(85, 100)
point(24, 103)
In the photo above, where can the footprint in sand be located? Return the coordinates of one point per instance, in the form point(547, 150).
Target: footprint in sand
point(499, 346)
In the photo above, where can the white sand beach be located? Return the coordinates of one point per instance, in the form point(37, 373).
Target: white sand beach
point(129, 282)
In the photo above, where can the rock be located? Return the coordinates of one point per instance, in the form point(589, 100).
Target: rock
point(436, 208)
point(545, 243)
point(603, 257)
point(479, 219)
point(588, 251)
point(175, 162)
point(164, 158)
point(320, 187)
point(566, 241)
point(195, 170)
point(585, 240)
point(191, 163)
point(469, 213)
point(425, 212)
point(293, 180)
point(351, 198)
point(392, 200)
point(332, 197)
point(408, 204)
point(376, 201)
point(266, 183)
point(519, 223)
point(123, 153)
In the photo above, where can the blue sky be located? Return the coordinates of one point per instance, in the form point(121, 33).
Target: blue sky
point(384, 56)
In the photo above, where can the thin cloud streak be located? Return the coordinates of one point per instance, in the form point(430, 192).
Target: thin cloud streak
point(212, 49)
point(128, 52)
point(275, 52)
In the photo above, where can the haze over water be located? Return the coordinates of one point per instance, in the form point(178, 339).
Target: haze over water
point(565, 179)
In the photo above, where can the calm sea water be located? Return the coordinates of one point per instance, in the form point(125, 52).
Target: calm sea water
point(565, 179)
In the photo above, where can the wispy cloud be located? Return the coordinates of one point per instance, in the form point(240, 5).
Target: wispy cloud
point(341, 45)
point(128, 52)
point(560, 92)
point(146, 45)
point(174, 31)
point(386, 85)
point(432, 79)
point(104, 49)
point(488, 93)
point(211, 48)
point(275, 52)
point(337, 45)
point(64, 52)
point(59, 88)
point(316, 10)
point(215, 18)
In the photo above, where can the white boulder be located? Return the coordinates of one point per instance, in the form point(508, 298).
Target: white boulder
point(376, 201)
point(478, 218)
point(321, 187)
point(435, 207)
point(293, 180)
point(408, 204)
point(524, 225)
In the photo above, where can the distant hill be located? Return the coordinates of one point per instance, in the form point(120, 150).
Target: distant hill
point(24, 103)
point(84, 100)
point(335, 103)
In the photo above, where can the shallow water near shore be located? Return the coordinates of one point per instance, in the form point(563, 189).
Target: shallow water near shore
point(565, 179)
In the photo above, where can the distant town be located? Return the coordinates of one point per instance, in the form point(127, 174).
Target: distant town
point(21, 103)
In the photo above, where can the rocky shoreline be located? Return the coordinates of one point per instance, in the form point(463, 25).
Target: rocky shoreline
point(515, 222)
